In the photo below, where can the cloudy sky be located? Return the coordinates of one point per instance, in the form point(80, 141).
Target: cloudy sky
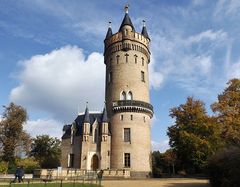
point(51, 55)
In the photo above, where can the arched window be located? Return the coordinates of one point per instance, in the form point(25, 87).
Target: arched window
point(129, 96)
point(123, 96)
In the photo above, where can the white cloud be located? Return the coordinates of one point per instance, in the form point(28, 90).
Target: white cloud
point(227, 7)
point(161, 146)
point(233, 70)
point(60, 81)
point(44, 126)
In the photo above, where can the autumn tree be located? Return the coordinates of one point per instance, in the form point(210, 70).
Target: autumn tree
point(227, 110)
point(194, 136)
point(12, 135)
point(46, 150)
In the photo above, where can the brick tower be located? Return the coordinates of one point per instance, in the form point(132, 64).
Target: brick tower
point(126, 57)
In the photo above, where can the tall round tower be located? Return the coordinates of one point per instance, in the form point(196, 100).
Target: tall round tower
point(127, 56)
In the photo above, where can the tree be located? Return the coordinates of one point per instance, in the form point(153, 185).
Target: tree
point(227, 110)
point(195, 135)
point(46, 150)
point(12, 134)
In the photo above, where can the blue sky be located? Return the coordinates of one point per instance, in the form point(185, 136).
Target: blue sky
point(51, 58)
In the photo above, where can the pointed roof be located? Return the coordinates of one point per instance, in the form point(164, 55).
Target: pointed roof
point(109, 32)
point(86, 116)
point(104, 115)
point(126, 20)
point(144, 31)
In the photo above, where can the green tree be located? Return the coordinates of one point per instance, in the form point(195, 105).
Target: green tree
point(195, 136)
point(227, 110)
point(46, 150)
point(12, 134)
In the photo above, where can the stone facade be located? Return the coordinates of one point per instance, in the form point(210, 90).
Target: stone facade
point(127, 142)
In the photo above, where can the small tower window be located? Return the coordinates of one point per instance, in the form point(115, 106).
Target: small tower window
point(131, 117)
point(127, 134)
point(121, 117)
point(117, 58)
point(95, 135)
point(123, 96)
point(126, 55)
point(129, 95)
point(135, 59)
point(142, 76)
point(142, 61)
point(144, 119)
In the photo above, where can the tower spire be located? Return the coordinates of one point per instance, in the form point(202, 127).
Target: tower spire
point(86, 116)
point(104, 116)
point(109, 32)
point(144, 30)
point(126, 19)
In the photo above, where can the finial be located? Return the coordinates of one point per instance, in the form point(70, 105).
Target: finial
point(144, 23)
point(126, 8)
point(109, 24)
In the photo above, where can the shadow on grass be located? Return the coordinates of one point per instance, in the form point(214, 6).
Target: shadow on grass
point(187, 185)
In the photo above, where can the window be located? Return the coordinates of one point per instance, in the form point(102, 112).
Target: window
point(131, 117)
point(129, 96)
point(142, 76)
point(127, 135)
point(142, 61)
point(110, 77)
point(135, 59)
point(72, 136)
point(127, 159)
point(70, 160)
point(121, 117)
point(117, 58)
point(123, 96)
point(144, 118)
point(126, 55)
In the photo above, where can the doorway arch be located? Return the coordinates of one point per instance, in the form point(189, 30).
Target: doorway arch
point(94, 162)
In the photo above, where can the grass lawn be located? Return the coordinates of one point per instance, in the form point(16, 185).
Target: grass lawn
point(50, 185)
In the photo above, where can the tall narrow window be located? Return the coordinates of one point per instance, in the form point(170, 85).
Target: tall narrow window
point(142, 61)
point(126, 55)
point(142, 76)
point(121, 117)
point(123, 96)
point(131, 117)
point(144, 119)
point(70, 160)
point(135, 59)
point(117, 58)
point(129, 95)
point(127, 135)
point(110, 77)
point(95, 136)
point(127, 160)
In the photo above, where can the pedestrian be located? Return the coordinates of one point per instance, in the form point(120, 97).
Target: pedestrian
point(99, 177)
point(20, 174)
point(16, 174)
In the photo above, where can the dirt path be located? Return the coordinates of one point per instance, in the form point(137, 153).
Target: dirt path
point(157, 183)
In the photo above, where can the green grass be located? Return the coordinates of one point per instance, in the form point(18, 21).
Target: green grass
point(50, 185)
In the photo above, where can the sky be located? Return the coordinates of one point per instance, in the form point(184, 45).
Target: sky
point(51, 56)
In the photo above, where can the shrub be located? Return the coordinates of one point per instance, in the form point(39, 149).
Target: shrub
point(29, 164)
point(3, 167)
point(224, 168)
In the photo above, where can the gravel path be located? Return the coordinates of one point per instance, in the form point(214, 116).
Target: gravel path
point(157, 183)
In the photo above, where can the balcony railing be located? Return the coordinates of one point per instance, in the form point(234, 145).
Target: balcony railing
point(132, 105)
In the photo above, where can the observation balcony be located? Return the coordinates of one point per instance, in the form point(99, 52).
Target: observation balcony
point(132, 106)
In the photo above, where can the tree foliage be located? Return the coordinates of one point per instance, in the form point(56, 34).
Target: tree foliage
point(195, 136)
point(227, 110)
point(46, 150)
point(29, 164)
point(12, 135)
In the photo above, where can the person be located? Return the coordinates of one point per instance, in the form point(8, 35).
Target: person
point(99, 177)
point(16, 174)
point(20, 174)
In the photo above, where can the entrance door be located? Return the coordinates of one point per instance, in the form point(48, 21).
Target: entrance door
point(94, 164)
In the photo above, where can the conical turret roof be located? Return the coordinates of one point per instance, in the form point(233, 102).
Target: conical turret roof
point(86, 116)
point(126, 20)
point(104, 116)
point(144, 31)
